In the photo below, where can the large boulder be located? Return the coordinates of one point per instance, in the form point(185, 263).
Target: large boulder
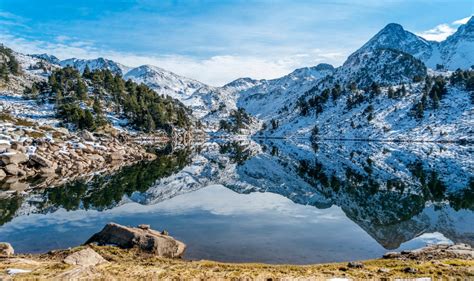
point(6, 249)
point(146, 239)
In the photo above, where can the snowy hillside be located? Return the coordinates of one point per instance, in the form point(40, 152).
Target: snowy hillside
point(385, 118)
point(272, 97)
point(383, 66)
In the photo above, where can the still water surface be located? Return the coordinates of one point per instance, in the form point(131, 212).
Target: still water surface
point(274, 202)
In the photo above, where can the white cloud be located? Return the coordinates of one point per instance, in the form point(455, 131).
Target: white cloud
point(461, 21)
point(215, 70)
point(442, 31)
point(439, 33)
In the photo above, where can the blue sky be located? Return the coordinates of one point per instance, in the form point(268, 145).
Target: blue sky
point(217, 41)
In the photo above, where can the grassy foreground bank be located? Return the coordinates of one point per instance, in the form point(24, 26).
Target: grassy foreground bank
point(133, 264)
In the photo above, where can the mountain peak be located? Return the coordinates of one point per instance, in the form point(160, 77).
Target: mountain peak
point(393, 27)
point(470, 21)
point(49, 58)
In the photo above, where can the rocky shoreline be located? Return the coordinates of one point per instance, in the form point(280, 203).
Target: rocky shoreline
point(140, 252)
point(29, 150)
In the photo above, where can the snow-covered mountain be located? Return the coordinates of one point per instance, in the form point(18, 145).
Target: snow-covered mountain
point(457, 51)
point(268, 98)
point(384, 66)
point(393, 57)
point(49, 58)
point(164, 82)
point(344, 103)
point(452, 53)
point(93, 64)
point(393, 36)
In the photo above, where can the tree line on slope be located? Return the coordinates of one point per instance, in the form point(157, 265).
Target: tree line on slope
point(433, 91)
point(8, 64)
point(83, 100)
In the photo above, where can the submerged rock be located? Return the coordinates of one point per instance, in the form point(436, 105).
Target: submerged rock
point(147, 240)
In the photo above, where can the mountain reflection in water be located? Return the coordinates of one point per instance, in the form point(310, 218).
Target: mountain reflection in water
point(272, 201)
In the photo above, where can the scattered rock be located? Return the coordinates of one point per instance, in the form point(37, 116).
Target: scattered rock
point(410, 270)
point(97, 158)
point(115, 156)
point(355, 264)
point(2, 174)
point(147, 240)
point(12, 169)
point(86, 135)
point(46, 171)
point(391, 255)
point(85, 257)
point(17, 186)
point(383, 270)
point(6, 249)
point(14, 158)
point(41, 161)
point(438, 251)
point(144, 226)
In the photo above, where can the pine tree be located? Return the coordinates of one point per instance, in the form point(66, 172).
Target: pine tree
point(375, 88)
point(435, 100)
point(419, 110)
point(391, 93)
point(97, 107)
point(59, 98)
point(81, 90)
point(148, 123)
point(87, 72)
point(13, 65)
point(88, 120)
point(4, 72)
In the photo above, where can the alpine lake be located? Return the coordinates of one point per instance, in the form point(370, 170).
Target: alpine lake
point(271, 201)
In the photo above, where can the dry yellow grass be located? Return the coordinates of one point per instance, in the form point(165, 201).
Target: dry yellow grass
point(132, 264)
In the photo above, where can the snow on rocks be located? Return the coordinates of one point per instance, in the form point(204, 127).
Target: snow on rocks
point(62, 156)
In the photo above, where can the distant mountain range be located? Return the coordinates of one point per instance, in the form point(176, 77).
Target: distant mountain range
point(394, 57)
